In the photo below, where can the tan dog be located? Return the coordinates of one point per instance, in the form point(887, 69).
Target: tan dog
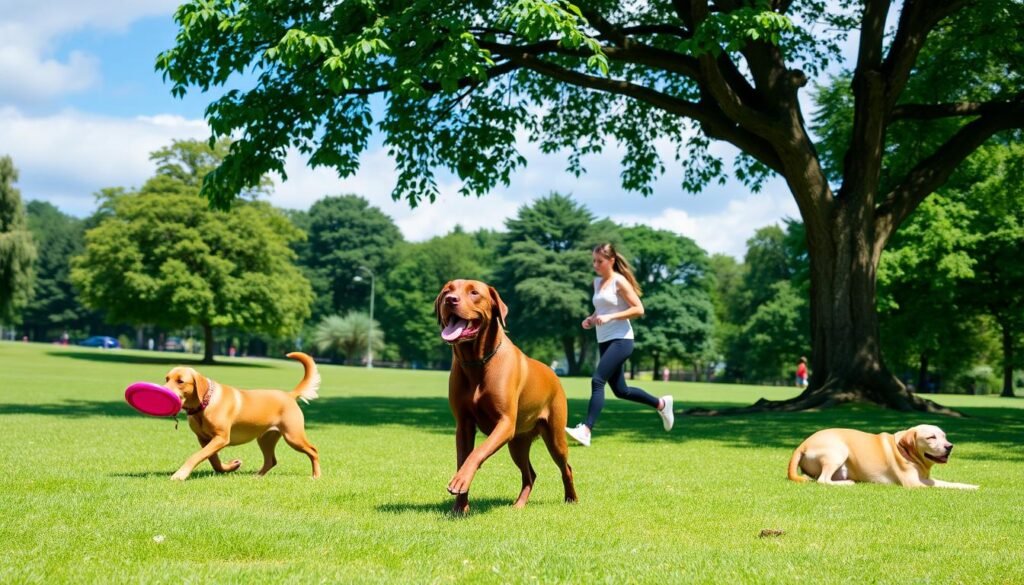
point(221, 415)
point(495, 387)
point(845, 456)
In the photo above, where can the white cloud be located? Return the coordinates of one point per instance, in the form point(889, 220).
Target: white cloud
point(30, 67)
point(29, 76)
point(375, 180)
point(66, 157)
point(724, 232)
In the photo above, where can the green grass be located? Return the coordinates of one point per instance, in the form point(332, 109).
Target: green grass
point(85, 492)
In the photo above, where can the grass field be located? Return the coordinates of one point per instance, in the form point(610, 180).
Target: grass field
point(85, 492)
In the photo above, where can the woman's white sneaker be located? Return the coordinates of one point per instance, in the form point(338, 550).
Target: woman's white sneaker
point(581, 433)
point(668, 418)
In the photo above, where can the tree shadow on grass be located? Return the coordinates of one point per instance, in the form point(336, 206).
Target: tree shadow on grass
point(76, 409)
point(168, 359)
point(993, 427)
point(623, 420)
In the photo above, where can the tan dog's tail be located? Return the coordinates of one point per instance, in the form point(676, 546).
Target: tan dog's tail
point(307, 388)
point(794, 465)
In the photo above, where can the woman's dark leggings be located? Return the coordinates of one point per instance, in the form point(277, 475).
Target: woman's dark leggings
point(609, 370)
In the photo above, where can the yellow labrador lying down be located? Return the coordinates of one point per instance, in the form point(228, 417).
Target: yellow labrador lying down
point(845, 456)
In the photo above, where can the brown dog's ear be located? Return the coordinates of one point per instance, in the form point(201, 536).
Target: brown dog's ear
point(502, 308)
point(438, 300)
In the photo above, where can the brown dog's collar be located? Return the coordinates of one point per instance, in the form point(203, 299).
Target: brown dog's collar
point(480, 362)
point(206, 399)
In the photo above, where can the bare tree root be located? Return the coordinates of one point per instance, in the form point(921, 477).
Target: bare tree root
point(829, 395)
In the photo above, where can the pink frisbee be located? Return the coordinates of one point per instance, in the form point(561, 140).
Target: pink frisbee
point(152, 399)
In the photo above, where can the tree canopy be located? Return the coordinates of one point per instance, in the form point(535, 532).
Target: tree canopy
point(346, 233)
point(545, 273)
point(163, 257)
point(17, 249)
point(413, 284)
point(463, 80)
point(55, 305)
point(679, 314)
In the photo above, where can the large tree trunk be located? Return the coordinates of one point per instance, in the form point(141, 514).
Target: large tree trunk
point(846, 362)
point(207, 343)
point(1007, 359)
point(569, 348)
point(573, 359)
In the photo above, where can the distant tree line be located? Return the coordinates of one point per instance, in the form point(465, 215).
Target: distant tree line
point(156, 261)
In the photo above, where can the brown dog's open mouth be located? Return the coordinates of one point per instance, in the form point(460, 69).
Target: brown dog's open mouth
point(937, 458)
point(459, 330)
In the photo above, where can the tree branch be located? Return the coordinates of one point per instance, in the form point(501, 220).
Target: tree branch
point(635, 53)
point(714, 122)
point(933, 171)
point(951, 110)
point(917, 20)
point(869, 51)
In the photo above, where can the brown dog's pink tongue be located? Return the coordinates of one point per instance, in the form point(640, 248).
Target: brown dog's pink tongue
point(454, 329)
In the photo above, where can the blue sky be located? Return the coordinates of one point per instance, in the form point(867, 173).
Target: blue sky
point(81, 108)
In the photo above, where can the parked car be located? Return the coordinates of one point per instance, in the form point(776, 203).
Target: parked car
point(174, 344)
point(104, 341)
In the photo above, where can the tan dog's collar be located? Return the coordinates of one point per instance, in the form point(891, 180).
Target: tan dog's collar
point(206, 399)
point(480, 362)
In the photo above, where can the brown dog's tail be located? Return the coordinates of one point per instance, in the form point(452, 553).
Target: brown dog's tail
point(794, 465)
point(307, 388)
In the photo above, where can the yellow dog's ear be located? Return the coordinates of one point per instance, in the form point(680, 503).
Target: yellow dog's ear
point(502, 308)
point(908, 444)
point(201, 383)
point(439, 300)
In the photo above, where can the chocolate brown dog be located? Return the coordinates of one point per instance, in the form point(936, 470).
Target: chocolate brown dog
point(221, 415)
point(495, 387)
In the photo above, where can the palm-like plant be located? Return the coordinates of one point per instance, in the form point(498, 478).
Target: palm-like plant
point(346, 336)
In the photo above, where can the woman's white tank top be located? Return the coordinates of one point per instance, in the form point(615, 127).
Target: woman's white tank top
point(609, 301)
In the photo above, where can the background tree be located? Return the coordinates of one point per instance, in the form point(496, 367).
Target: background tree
point(997, 288)
point(163, 257)
point(461, 78)
point(17, 250)
point(775, 335)
point(769, 323)
point(679, 315)
point(422, 269)
point(347, 336)
point(727, 297)
point(545, 273)
point(54, 306)
point(189, 161)
point(344, 233)
point(921, 276)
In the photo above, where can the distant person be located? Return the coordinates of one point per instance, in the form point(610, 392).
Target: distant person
point(616, 301)
point(801, 373)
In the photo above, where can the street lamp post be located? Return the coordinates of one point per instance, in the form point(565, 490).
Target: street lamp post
point(369, 332)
